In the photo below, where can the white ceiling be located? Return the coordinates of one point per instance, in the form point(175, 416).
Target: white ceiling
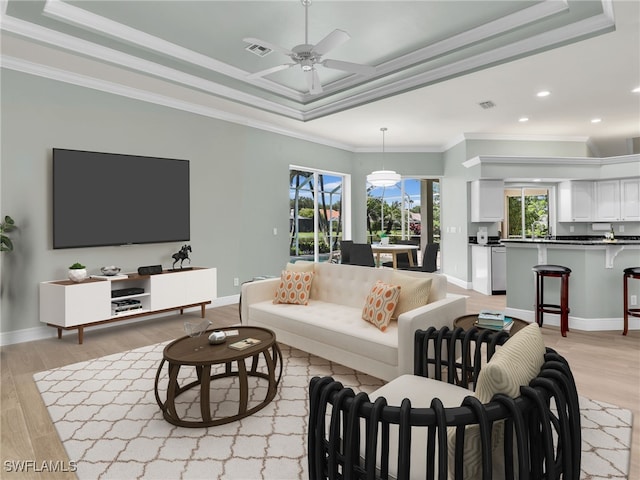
point(435, 62)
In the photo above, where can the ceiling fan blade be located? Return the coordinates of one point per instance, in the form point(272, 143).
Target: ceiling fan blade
point(331, 41)
point(271, 46)
point(268, 71)
point(349, 67)
point(313, 81)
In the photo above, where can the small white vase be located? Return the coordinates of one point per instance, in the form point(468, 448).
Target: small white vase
point(77, 274)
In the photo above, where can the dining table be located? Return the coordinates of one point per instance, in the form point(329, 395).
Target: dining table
point(394, 249)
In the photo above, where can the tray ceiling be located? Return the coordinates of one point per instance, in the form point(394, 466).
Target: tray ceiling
point(198, 45)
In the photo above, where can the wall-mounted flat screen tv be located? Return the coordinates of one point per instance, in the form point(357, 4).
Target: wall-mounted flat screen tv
point(104, 199)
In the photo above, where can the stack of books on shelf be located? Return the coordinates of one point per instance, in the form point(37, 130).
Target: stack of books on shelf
point(494, 320)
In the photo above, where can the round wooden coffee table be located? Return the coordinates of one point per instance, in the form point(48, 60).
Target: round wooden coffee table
point(197, 352)
point(468, 322)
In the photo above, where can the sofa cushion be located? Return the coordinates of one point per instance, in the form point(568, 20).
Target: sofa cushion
point(294, 287)
point(414, 292)
point(380, 304)
point(336, 325)
point(300, 266)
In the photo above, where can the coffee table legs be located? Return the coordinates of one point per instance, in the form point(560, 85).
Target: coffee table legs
point(273, 359)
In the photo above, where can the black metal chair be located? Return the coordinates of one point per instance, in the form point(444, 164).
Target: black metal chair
point(403, 258)
point(349, 436)
point(361, 254)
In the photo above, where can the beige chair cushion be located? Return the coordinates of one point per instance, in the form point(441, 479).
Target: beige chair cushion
point(414, 292)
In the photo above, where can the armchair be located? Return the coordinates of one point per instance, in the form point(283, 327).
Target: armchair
point(441, 428)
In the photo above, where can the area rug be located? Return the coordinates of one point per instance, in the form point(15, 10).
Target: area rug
point(106, 415)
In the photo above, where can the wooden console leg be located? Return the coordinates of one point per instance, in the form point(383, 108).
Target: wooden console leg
point(59, 333)
point(80, 335)
point(202, 310)
point(181, 311)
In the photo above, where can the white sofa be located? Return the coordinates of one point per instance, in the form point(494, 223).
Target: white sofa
point(331, 324)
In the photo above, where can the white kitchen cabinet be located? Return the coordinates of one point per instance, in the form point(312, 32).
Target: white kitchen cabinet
point(487, 200)
point(630, 199)
point(67, 305)
point(575, 200)
point(607, 200)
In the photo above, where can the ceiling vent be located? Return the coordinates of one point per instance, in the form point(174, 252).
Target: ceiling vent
point(486, 105)
point(258, 50)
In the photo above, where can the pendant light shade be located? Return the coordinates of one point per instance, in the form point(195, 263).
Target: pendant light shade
point(383, 178)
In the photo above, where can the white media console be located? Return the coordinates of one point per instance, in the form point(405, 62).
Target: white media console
point(66, 305)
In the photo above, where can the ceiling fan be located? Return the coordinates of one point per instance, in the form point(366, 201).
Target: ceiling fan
point(309, 56)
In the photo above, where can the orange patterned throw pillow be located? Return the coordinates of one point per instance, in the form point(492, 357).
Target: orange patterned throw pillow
point(380, 304)
point(294, 287)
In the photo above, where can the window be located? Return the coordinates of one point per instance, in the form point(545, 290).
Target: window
point(528, 212)
point(317, 214)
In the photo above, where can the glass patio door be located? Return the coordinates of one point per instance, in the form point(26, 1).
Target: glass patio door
point(316, 213)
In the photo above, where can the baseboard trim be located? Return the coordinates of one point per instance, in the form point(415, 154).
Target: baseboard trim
point(576, 323)
point(44, 332)
point(459, 283)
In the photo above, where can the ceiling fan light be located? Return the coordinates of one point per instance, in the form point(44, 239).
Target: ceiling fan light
point(383, 178)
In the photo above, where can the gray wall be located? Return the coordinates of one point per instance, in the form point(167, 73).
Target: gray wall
point(239, 185)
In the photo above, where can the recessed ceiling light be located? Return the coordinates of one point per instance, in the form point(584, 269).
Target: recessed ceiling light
point(543, 93)
point(636, 90)
point(596, 120)
point(523, 119)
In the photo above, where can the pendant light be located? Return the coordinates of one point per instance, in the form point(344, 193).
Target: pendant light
point(383, 178)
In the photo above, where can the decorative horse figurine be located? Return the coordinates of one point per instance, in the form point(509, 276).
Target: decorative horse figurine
point(181, 256)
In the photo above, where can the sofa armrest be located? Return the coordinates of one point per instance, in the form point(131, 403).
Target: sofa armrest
point(254, 292)
point(436, 314)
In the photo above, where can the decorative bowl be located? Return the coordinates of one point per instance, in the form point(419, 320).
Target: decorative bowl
point(110, 270)
point(217, 337)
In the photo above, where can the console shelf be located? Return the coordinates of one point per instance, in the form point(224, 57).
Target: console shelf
point(66, 305)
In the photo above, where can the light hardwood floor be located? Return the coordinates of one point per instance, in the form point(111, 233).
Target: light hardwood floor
point(606, 367)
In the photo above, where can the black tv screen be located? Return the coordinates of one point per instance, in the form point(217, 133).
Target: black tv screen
point(104, 199)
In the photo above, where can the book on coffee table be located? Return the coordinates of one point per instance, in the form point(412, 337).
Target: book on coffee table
point(245, 343)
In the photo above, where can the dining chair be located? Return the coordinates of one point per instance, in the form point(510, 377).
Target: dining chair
point(345, 251)
point(429, 259)
point(361, 254)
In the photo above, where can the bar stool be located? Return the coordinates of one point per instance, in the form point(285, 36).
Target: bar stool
point(556, 271)
point(631, 272)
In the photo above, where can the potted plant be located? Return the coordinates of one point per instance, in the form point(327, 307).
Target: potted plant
point(6, 245)
point(77, 272)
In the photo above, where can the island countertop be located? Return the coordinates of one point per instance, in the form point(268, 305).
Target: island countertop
point(574, 241)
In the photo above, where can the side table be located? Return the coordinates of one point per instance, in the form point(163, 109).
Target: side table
point(467, 322)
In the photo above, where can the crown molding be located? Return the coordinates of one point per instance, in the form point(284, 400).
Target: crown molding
point(568, 161)
point(599, 24)
point(92, 50)
point(65, 76)
point(88, 21)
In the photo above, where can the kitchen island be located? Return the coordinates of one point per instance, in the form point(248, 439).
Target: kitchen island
point(595, 285)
